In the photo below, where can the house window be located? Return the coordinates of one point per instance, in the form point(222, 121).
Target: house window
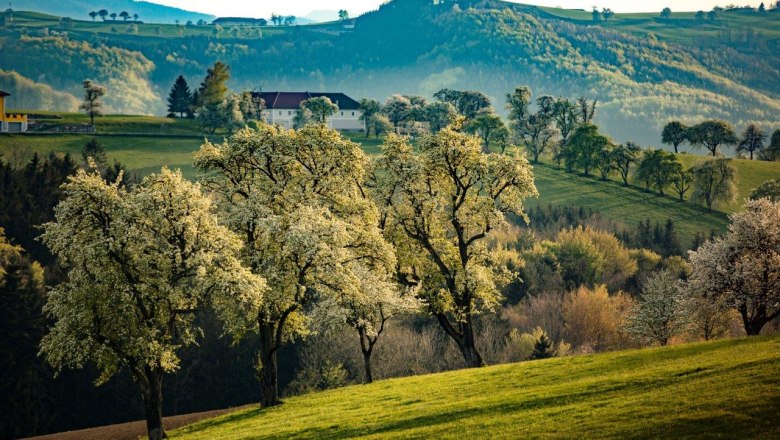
point(353, 113)
point(342, 113)
point(289, 112)
point(280, 113)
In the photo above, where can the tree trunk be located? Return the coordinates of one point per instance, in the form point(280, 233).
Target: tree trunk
point(367, 366)
point(153, 404)
point(464, 339)
point(269, 392)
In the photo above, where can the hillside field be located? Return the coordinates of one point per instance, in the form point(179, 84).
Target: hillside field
point(723, 389)
point(146, 143)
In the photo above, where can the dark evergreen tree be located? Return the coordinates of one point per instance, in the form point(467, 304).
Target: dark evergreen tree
point(180, 98)
point(543, 348)
point(96, 151)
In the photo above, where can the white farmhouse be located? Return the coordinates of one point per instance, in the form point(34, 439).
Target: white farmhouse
point(281, 108)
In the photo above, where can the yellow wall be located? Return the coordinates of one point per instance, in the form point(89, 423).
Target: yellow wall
point(10, 117)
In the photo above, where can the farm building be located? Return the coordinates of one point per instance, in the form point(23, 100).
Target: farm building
point(281, 108)
point(13, 123)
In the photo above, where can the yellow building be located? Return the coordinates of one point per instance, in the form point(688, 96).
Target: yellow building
point(13, 123)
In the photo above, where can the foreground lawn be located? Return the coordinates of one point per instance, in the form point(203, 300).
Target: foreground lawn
point(727, 389)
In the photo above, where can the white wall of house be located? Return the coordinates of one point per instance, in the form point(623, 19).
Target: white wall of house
point(345, 120)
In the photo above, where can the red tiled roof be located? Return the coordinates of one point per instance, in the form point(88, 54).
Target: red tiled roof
point(291, 100)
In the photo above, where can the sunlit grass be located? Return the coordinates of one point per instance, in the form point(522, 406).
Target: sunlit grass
point(723, 389)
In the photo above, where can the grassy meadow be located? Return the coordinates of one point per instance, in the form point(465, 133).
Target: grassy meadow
point(146, 143)
point(722, 389)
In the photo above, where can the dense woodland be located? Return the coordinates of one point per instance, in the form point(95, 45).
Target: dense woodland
point(640, 79)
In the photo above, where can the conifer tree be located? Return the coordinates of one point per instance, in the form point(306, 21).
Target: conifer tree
point(543, 348)
point(180, 98)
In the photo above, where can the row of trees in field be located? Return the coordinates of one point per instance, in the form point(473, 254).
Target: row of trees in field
point(714, 133)
point(103, 13)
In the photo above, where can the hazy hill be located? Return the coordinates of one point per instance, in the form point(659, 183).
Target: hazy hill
point(79, 9)
point(644, 70)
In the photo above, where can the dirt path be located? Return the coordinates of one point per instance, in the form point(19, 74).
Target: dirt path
point(131, 430)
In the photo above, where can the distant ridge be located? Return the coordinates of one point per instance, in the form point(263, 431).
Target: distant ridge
point(79, 9)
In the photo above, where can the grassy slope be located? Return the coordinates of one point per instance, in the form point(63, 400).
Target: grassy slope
point(145, 154)
point(728, 388)
point(682, 27)
point(750, 174)
point(618, 203)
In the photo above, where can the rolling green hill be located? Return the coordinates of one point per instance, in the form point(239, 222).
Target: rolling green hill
point(146, 143)
point(685, 70)
point(722, 389)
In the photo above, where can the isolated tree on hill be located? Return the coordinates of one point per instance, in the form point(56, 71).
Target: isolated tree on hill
point(607, 14)
point(761, 8)
point(595, 15)
point(103, 14)
point(368, 314)
point(343, 14)
point(368, 108)
point(585, 145)
point(743, 267)
point(140, 264)
point(289, 20)
point(321, 108)
point(113, 16)
point(769, 189)
point(623, 157)
point(297, 201)
point(397, 108)
point(439, 115)
point(213, 89)
point(439, 207)
point(700, 16)
point(485, 124)
point(752, 140)
point(135, 17)
point(666, 13)
point(125, 16)
point(543, 348)
point(662, 312)
point(180, 98)
point(92, 105)
point(675, 133)
point(93, 15)
point(712, 15)
point(712, 134)
point(713, 181)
